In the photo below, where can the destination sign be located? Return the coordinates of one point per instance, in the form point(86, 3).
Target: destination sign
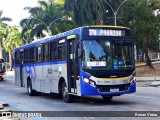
point(104, 32)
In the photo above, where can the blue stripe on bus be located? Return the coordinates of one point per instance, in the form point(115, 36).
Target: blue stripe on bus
point(44, 63)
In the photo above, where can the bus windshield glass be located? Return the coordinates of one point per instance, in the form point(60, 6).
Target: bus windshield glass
point(107, 54)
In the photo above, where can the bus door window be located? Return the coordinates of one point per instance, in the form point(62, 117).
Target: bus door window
point(71, 57)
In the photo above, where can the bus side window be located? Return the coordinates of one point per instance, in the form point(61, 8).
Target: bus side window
point(39, 54)
point(26, 55)
point(61, 52)
point(53, 51)
point(17, 57)
point(45, 52)
point(31, 55)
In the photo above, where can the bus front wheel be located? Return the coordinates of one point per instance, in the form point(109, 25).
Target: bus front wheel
point(66, 97)
point(107, 98)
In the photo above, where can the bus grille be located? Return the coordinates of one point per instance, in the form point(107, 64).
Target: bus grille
point(106, 88)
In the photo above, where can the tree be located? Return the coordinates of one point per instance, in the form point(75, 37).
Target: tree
point(44, 17)
point(3, 33)
point(3, 30)
point(140, 17)
point(12, 41)
point(86, 12)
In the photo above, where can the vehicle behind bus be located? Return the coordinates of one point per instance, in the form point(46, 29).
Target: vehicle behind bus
point(2, 68)
point(86, 61)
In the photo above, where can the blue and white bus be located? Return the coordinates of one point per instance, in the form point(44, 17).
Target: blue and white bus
point(85, 61)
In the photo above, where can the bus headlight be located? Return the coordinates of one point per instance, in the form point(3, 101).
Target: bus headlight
point(86, 80)
point(132, 80)
point(90, 82)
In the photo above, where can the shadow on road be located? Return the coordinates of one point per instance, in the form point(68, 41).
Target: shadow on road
point(97, 101)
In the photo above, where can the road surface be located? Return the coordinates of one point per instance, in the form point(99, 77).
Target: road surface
point(145, 99)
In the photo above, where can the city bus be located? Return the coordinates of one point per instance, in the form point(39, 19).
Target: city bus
point(2, 68)
point(85, 61)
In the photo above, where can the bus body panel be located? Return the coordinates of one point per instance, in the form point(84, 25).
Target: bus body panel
point(17, 76)
point(44, 77)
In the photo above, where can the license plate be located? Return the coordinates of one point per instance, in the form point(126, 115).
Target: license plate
point(114, 89)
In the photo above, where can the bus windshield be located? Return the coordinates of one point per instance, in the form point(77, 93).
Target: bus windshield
point(107, 54)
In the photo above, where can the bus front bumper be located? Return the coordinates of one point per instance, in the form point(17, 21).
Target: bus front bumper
point(88, 90)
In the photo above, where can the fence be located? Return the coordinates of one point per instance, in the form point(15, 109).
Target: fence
point(152, 56)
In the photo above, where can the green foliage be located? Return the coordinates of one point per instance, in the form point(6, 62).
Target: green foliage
point(3, 31)
point(86, 12)
point(13, 39)
point(48, 16)
point(140, 17)
point(6, 55)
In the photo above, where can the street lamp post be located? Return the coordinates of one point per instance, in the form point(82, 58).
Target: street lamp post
point(159, 40)
point(115, 12)
point(48, 26)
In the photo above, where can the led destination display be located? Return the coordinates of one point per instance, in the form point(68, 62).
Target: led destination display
point(105, 32)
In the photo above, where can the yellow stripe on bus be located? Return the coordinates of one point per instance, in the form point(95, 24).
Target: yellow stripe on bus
point(114, 78)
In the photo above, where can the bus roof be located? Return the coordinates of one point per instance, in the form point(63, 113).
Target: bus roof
point(109, 26)
point(48, 38)
point(64, 34)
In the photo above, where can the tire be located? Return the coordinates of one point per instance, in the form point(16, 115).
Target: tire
point(107, 98)
point(65, 96)
point(30, 91)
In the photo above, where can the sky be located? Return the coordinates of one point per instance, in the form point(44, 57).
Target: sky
point(14, 9)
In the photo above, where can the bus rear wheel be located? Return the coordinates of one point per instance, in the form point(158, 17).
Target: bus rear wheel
point(66, 97)
point(107, 98)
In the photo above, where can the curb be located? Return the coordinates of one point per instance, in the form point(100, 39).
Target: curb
point(144, 64)
point(147, 80)
point(154, 78)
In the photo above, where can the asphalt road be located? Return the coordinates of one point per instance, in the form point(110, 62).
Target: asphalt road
point(145, 99)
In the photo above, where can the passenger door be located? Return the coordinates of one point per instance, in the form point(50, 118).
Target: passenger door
point(21, 67)
point(72, 62)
